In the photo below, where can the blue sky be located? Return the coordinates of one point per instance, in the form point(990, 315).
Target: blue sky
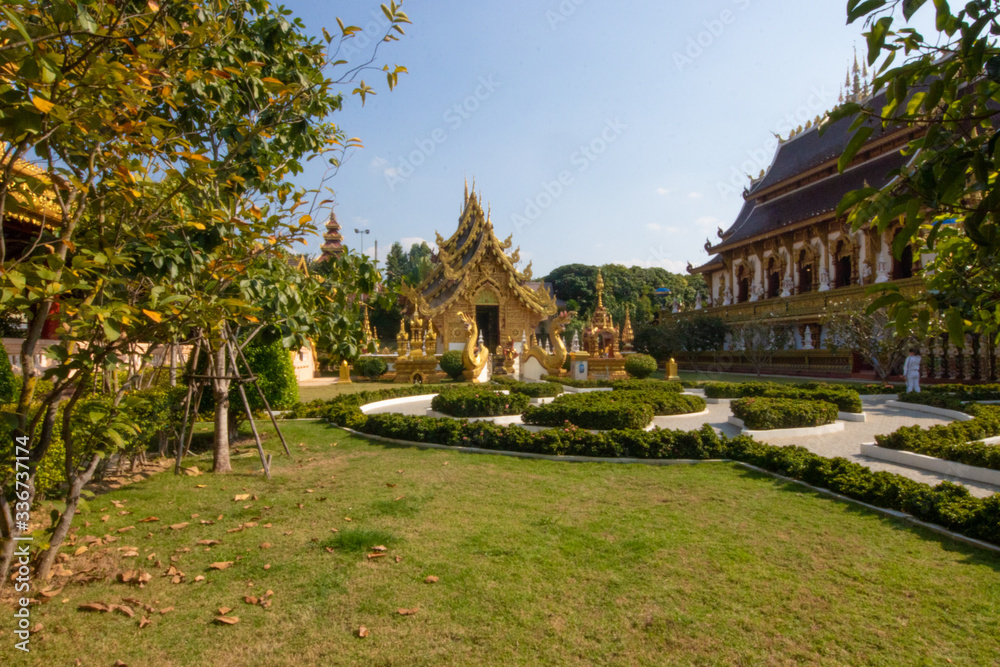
point(599, 132)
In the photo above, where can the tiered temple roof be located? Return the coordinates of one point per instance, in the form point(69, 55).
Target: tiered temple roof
point(803, 186)
point(332, 240)
point(460, 257)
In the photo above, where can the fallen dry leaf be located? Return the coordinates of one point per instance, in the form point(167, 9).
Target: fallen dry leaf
point(149, 519)
point(199, 486)
point(334, 530)
point(224, 610)
point(400, 498)
point(235, 530)
point(123, 513)
point(126, 529)
point(93, 606)
point(209, 543)
point(241, 496)
point(370, 556)
point(347, 518)
point(399, 558)
point(379, 548)
point(166, 610)
point(227, 620)
point(176, 580)
point(120, 663)
point(250, 524)
point(431, 579)
point(125, 609)
point(143, 622)
point(266, 525)
point(179, 526)
point(81, 550)
point(362, 631)
point(391, 486)
point(408, 612)
point(221, 565)
point(199, 578)
point(50, 592)
point(265, 545)
point(267, 566)
point(250, 599)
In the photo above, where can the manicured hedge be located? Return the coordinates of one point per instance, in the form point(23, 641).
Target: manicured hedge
point(451, 363)
point(478, 401)
point(966, 392)
point(953, 442)
point(579, 384)
point(647, 385)
point(845, 398)
point(612, 409)
point(597, 410)
point(530, 389)
point(762, 413)
point(946, 401)
point(640, 365)
point(946, 504)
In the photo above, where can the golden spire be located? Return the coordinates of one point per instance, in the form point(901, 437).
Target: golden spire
point(600, 289)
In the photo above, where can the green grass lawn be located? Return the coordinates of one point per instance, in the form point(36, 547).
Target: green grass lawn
point(538, 563)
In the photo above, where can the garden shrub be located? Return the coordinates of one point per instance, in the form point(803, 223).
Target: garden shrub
point(452, 364)
point(762, 413)
point(640, 365)
point(957, 441)
point(947, 401)
point(371, 367)
point(596, 410)
point(946, 504)
point(579, 384)
point(845, 398)
point(647, 385)
point(529, 389)
point(478, 401)
point(966, 392)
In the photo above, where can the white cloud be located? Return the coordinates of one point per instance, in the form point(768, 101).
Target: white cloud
point(672, 265)
point(652, 226)
point(664, 191)
point(391, 172)
point(706, 222)
point(694, 195)
point(379, 162)
point(416, 240)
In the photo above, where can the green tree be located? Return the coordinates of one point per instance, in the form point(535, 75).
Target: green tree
point(948, 196)
point(165, 134)
point(397, 264)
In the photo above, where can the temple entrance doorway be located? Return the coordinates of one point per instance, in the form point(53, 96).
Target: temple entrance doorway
point(488, 321)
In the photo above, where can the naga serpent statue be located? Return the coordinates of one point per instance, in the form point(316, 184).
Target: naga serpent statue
point(553, 363)
point(473, 360)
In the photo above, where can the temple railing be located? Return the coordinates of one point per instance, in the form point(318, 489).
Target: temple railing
point(976, 360)
point(785, 362)
point(798, 306)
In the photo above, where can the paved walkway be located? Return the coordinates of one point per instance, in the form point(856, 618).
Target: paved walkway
point(846, 443)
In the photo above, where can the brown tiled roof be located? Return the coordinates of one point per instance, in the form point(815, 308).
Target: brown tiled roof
point(809, 201)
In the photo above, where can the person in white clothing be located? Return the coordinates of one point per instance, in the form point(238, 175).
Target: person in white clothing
point(911, 369)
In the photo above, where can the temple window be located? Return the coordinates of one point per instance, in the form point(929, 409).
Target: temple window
point(805, 274)
point(773, 279)
point(903, 267)
point(844, 271)
point(742, 286)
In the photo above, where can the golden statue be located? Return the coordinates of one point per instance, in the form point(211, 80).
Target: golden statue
point(473, 358)
point(553, 363)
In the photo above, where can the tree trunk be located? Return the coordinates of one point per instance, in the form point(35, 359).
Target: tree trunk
point(220, 443)
point(48, 557)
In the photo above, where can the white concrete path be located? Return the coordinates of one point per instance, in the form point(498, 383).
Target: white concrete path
point(846, 443)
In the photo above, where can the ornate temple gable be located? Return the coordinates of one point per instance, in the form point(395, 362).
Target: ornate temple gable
point(473, 270)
